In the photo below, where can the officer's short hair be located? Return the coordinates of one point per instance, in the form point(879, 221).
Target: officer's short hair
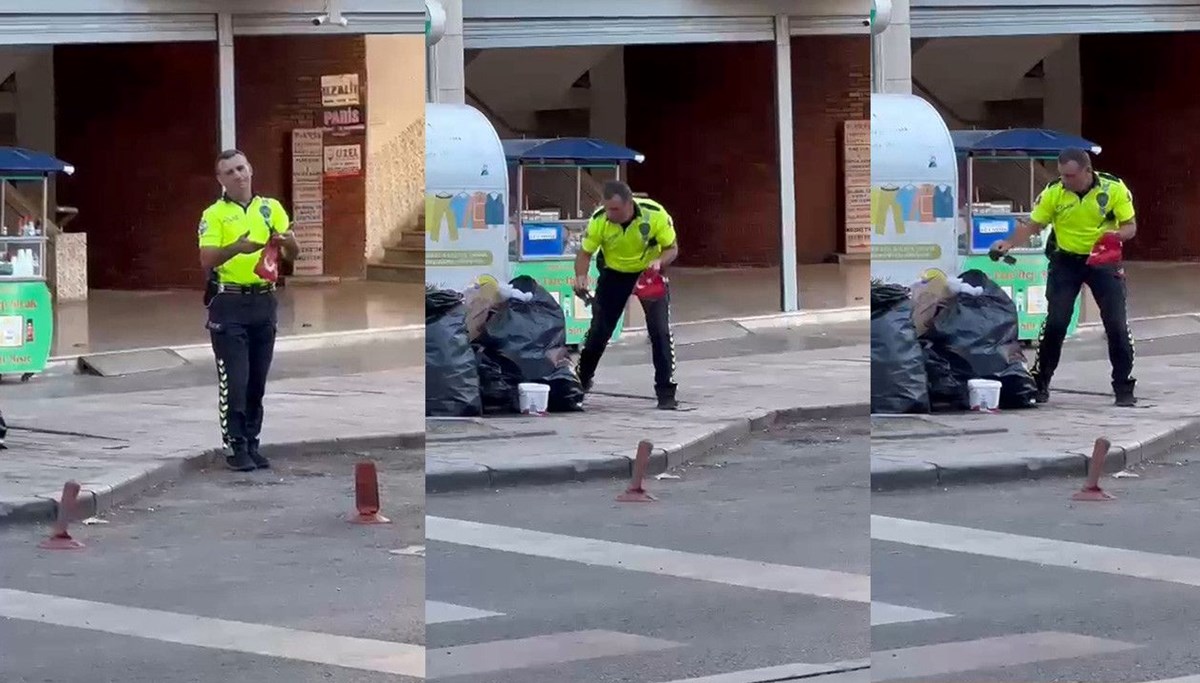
point(616, 188)
point(227, 155)
point(1077, 155)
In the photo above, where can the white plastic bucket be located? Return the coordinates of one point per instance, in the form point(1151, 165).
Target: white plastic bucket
point(983, 394)
point(535, 398)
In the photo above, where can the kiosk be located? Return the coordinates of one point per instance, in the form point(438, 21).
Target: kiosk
point(466, 199)
point(546, 238)
point(914, 184)
point(985, 222)
point(26, 307)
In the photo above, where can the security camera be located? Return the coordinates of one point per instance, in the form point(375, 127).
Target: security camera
point(320, 20)
point(330, 19)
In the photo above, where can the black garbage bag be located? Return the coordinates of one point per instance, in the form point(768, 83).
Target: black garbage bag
point(527, 340)
point(451, 374)
point(946, 391)
point(978, 337)
point(497, 391)
point(898, 382)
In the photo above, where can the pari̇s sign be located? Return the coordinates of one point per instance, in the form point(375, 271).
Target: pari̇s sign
point(343, 117)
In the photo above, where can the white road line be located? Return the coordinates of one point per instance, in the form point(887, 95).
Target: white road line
point(524, 653)
point(219, 634)
point(883, 613)
point(725, 570)
point(790, 671)
point(927, 661)
point(1044, 551)
point(444, 612)
point(1185, 679)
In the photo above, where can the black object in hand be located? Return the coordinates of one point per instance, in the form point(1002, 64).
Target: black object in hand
point(585, 295)
point(995, 255)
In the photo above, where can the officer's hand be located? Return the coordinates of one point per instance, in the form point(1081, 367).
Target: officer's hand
point(244, 245)
point(581, 284)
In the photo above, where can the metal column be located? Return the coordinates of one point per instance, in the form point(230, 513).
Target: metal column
point(225, 80)
point(789, 295)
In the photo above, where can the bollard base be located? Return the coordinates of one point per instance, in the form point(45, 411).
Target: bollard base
point(1089, 494)
point(369, 518)
point(636, 496)
point(64, 542)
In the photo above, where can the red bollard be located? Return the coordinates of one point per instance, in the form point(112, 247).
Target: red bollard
point(366, 495)
point(60, 537)
point(636, 493)
point(1091, 491)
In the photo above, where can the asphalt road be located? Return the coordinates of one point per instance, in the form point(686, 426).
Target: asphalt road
point(721, 575)
point(1037, 588)
point(186, 584)
point(709, 341)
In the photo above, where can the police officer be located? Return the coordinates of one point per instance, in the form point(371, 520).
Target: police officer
point(1082, 205)
point(632, 236)
point(241, 301)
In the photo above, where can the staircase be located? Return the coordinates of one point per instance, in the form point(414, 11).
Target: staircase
point(405, 261)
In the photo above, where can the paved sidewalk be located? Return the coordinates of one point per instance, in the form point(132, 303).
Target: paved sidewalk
point(723, 400)
point(1053, 439)
point(117, 446)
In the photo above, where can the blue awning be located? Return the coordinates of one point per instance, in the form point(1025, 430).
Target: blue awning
point(1026, 141)
point(576, 150)
point(18, 161)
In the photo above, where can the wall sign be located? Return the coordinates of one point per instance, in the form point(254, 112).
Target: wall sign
point(339, 90)
point(856, 156)
point(343, 160)
point(343, 117)
point(308, 199)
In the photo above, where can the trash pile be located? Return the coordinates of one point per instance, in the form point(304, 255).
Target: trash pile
point(479, 346)
point(929, 342)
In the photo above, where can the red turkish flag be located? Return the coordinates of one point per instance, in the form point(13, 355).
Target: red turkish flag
point(268, 265)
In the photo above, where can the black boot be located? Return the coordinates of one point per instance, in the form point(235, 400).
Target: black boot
point(239, 460)
point(666, 398)
point(1124, 394)
point(1042, 395)
point(256, 457)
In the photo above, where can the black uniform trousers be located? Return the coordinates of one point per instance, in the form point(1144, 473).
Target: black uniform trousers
point(1067, 275)
point(242, 323)
point(613, 290)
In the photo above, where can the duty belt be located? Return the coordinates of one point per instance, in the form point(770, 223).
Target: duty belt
point(227, 288)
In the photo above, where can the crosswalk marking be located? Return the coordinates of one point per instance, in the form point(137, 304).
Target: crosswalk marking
point(522, 653)
point(725, 570)
point(882, 613)
point(1044, 551)
point(839, 672)
point(987, 653)
point(443, 612)
point(220, 634)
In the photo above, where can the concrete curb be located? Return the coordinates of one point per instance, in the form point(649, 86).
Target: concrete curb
point(892, 474)
point(100, 496)
point(773, 321)
point(446, 476)
point(202, 353)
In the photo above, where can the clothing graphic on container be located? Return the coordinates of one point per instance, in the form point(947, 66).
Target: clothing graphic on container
point(943, 202)
point(925, 204)
point(437, 209)
point(884, 201)
point(907, 196)
point(461, 205)
point(495, 209)
point(479, 211)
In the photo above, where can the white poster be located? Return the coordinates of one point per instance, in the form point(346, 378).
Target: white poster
point(308, 200)
point(343, 160)
point(339, 90)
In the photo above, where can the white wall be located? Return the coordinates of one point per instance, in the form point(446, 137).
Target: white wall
point(446, 76)
point(895, 51)
point(395, 138)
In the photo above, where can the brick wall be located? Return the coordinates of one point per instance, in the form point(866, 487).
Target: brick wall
point(709, 135)
point(139, 122)
point(1142, 110)
point(279, 89)
point(144, 143)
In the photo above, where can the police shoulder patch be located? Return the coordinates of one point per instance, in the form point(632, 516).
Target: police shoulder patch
point(203, 226)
